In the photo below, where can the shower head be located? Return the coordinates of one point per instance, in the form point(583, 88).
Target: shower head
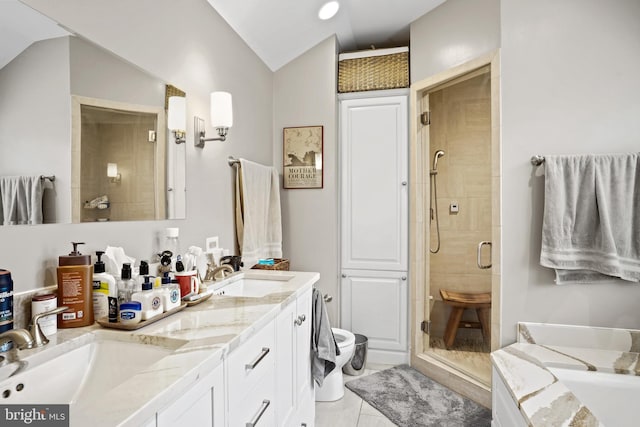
point(436, 156)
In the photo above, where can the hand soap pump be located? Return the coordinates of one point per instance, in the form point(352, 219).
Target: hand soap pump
point(125, 284)
point(105, 291)
point(75, 277)
point(151, 300)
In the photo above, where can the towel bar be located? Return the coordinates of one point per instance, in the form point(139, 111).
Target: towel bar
point(233, 161)
point(537, 160)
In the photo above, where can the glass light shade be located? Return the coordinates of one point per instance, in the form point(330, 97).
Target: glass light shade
point(221, 110)
point(177, 113)
point(112, 170)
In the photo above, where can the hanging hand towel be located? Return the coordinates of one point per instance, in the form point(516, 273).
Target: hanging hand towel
point(324, 348)
point(591, 224)
point(258, 216)
point(21, 200)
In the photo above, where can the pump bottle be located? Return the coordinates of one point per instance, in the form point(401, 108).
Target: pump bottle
point(125, 284)
point(151, 300)
point(75, 285)
point(104, 290)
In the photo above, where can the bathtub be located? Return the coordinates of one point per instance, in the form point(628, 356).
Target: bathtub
point(611, 397)
point(567, 375)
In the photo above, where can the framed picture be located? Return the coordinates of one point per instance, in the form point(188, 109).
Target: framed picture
point(302, 152)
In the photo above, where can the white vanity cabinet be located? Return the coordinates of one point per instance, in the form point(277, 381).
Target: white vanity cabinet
point(266, 381)
point(294, 386)
point(202, 405)
point(251, 385)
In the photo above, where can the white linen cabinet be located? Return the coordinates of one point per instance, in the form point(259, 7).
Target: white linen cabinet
point(374, 220)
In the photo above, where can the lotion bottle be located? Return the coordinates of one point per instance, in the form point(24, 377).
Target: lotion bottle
point(104, 289)
point(75, 285)
point(151, 300)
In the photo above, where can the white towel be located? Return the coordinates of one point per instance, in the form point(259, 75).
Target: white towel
point(258, 216)
point(591, 224)
point(21, 200)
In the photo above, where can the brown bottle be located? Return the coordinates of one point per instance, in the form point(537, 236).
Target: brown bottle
point(75, 286)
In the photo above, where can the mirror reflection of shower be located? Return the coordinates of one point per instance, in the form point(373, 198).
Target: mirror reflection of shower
point(433, 202)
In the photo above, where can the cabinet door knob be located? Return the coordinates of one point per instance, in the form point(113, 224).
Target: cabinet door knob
point(328, 298)
point(404, 183)
point(297, 322)
point(344, 276)
point(404, 277)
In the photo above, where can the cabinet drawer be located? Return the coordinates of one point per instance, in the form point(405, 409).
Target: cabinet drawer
point(250, 362)
point(257, 405)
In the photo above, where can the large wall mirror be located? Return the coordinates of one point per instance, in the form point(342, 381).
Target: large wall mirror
point(92, 121)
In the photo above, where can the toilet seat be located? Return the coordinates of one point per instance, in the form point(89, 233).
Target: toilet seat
point(343, 337)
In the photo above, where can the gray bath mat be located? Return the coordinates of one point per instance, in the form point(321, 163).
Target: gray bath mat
point(410, 399)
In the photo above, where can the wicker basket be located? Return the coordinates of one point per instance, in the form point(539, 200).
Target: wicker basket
point(376, 72)
point(278, 264)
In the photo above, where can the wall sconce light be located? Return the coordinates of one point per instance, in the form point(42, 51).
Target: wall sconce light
point(177, 117)
point(221, 119)
point(112, 172)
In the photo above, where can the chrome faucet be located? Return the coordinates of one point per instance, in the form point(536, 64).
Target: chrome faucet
point(39, 339)
point(217, 273)
point(20, 337)
point(33, 338)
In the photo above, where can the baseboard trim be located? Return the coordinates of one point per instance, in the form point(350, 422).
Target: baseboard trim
point(385, 357)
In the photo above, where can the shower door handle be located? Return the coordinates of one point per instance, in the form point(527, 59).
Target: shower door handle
point(479, 258)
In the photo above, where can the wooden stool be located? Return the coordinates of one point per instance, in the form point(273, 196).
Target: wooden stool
point(459, 301)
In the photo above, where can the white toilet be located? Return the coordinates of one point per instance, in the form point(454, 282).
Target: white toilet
point(332, 387)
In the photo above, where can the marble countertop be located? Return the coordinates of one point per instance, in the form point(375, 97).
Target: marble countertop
point(205, 334)
point(544, 400)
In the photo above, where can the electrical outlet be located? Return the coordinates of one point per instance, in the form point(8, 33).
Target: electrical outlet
point(454, 208)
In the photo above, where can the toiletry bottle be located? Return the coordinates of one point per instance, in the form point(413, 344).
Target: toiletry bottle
point(171, 243)
point(104, 286)
point(170, 295)
point(6, 306)
point(150, 300)
point(75, 285)
point(142, 272)
point(125, 284)
point(41, 304)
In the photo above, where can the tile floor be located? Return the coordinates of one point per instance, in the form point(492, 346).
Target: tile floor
point(351, 410)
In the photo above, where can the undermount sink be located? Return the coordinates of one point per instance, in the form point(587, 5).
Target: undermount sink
point(86, 372)
point(254, 285)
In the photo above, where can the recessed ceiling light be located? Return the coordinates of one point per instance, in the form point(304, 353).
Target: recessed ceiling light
point(328, 10)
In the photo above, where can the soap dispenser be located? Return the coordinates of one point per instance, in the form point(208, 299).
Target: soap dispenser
point(105, 291)
point(75, 285)
point(125, 284)
point(151, 300)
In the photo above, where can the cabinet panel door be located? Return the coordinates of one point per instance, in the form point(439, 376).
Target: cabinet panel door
point(285, 362)
point(202, 405)
point(303, 346)
point(374, 304)
point(374, 175)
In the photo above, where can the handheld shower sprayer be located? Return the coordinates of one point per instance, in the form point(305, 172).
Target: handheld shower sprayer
point(434, 198)
point(436, 156)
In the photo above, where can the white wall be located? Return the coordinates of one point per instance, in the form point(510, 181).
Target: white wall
point(189, 45)
point(452, 34)
point(569, 85)
point(305, 95)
